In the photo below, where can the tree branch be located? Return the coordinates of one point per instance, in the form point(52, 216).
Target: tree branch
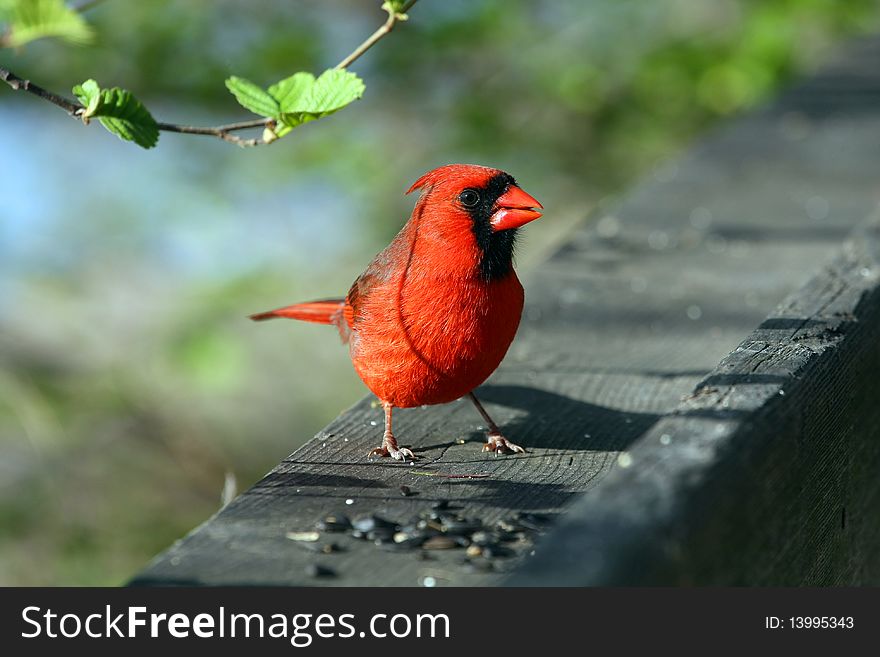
point(223, 132)
point(378, 35)
point(73, 108)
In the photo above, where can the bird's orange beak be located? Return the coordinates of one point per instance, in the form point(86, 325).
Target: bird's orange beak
point(515, 209)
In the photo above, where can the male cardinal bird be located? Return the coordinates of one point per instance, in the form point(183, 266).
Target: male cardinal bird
point(433, 315)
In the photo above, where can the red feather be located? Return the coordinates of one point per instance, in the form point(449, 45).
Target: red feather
point(320, 312)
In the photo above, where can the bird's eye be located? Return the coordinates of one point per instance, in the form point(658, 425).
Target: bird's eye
point(469, 198)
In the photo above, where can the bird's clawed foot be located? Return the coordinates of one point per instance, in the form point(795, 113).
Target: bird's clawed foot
point(395, 452)
point(389, 445)
point(497, 443)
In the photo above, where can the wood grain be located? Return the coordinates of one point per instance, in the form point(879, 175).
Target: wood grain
point(767, 474)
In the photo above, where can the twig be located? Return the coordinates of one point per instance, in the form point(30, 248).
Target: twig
point(75, 109)
point(443, 475)
point(221, 131)
point(378, 35)
point(19, 84)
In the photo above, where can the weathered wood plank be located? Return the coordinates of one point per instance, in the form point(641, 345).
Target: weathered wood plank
point(630, 314)
point(767, 474)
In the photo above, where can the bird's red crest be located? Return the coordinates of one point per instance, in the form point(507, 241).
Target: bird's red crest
point(466, 173)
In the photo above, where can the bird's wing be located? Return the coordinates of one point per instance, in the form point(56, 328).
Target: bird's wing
point(359, 292)
point(377, 275)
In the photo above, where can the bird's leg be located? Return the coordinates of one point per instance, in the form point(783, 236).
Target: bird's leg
point(495, 441)
point(389, 444)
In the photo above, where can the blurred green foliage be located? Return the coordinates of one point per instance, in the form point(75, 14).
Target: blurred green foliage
point(29, 20)
point(130, 380)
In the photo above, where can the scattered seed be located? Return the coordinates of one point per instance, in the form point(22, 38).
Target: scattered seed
point(440, 543)
point(381, 535)
point(413, 528)
point(507, 526)
point(434, 526)
point(334, 523)
point(460, 527)
point(483, 538)
point(408, 541)
point(369, 523)
point(431, 515)
point(440, 527)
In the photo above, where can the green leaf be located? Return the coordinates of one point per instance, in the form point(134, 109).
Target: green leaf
point(252, 97)
point(118, 111)
point(332, 91)
point(282, 129)
point(292, 120)
point(299, 98)
point(35, 19)
point(290, 91)
point(89, 94)
point(126, 117)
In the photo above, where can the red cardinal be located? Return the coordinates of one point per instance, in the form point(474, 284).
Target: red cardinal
point(434, 313)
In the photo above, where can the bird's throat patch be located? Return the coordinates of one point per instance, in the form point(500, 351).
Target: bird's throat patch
point(497, 247)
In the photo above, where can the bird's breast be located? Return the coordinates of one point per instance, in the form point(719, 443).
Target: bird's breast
point(432, 339)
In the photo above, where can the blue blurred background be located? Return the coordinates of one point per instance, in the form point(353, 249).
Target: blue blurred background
point(132, 386)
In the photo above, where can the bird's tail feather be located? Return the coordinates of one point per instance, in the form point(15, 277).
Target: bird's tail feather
point(326, 311)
